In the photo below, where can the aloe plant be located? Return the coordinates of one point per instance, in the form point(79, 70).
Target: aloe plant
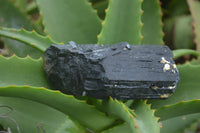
point(29, 105)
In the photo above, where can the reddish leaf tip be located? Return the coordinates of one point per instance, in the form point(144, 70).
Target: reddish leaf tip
point(136, 125)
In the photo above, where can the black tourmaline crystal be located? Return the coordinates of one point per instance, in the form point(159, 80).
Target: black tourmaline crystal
point(121, 71)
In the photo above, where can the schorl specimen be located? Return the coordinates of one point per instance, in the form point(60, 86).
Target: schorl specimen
point(121, 71)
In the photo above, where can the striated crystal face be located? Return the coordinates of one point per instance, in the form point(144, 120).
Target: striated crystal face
point(121, 71)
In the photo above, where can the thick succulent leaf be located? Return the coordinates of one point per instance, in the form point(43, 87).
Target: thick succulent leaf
point(123, 128)
point(94, 1)
point(32, 7)
point(176, 36)
point(188, 87)
point(147, 122)
point(11, 16)
point(177, 8)
point(180, 109)
point(75, 20)
point(22, 71)
point(168, 29)
point(122, 25)
point(178, 124)
point(29, 8)
point(152, 19)
point(118, 109)
point(193, 127)
point(195, 62)
point(100, 7)
point(180, 52)
point(141, 120)
point(195, 9)
point(83, 113)
point(174, 125)
point(28, 116)
point(39, 26)
point(31, 38)
point(21, 4)
point(183, 37)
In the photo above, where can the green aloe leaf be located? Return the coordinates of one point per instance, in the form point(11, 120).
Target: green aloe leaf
point(32, 7)
point(70, 20)
point(178, 124)
point(21, 4)
point(146, 120)
point(176, 36)
point(11, 16)
point(180, 52)
point(118, 109)
point(31, 38)
point(183, 37)
point(122, 25)
point(168, 29)
point(29, 8)
point(152, 19)
point(27, 116)
point(179, 109)
point(141, 120)
point(39, 26)
point(195, 9)
point(123, 128)
point(22, 71)
point(192, 128)
point(188, 87)
point(177, 8)
point(80, 111)
point(101, 6)
point(195, 61)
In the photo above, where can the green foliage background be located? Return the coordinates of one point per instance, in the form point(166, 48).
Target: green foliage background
point(27, 103)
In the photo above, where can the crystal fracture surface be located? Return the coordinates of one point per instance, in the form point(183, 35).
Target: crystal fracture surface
point(121, 71)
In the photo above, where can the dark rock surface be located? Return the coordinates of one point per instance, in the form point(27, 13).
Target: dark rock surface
point(121, 71)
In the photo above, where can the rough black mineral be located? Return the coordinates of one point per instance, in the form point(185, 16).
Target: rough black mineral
point(121, 71)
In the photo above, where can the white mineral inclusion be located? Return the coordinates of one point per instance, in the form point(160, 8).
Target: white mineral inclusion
point(163, 60)
point(128, 46)
point(173, 71)
point(174, 66)
point(166, 67)
point(84, 93)
point(164, 96)
point(73, 44)
point(171, 87)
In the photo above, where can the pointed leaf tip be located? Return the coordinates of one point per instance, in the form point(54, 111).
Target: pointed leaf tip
point(28, 37)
